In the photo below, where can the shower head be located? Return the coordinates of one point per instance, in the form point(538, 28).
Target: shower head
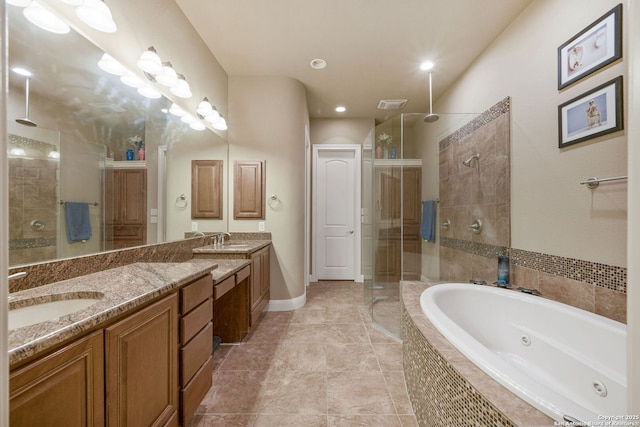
point(467, 162)
point(431, 117)
point(26, 121)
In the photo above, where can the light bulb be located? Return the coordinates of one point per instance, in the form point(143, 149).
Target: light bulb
point(204, 108)
point(132, 80)
point(197, 125)
point(110, 65)
point(176, 110)
point(149, 92)
point(168, 76)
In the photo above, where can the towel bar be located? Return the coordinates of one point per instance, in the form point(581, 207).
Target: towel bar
point(62, 202)
point(594, 182)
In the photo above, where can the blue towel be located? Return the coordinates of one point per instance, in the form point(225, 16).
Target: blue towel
point(78, 222)
point(428, 225)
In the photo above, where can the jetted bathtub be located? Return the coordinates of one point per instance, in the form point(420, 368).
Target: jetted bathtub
point(560, 359)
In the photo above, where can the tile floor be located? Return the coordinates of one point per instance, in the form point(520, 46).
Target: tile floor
point(321, 365)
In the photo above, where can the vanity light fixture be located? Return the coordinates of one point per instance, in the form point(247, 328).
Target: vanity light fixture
point(188, 119)
point(204, 107)
point(18, 152)
point(182, 88)
point(45, 19)
point(168, 76)
point(110, 65)
point(197, 125)
point(150, 61)
point(73, 2)
point(176, 110)
point(220, 123)
point(97, 15)
point(132, 80)
point(149, 92)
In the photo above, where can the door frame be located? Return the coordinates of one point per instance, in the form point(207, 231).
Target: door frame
point(357, 150)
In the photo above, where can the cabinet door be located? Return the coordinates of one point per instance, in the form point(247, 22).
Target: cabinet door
point(248, 190)
point(411, 194)
point(206, 189)
point(65, 388)
point(256, 279)
point(133, 196)
point(142, 366)
point(265, 260)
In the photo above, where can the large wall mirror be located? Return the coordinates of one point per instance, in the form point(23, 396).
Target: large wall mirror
point(70, 125)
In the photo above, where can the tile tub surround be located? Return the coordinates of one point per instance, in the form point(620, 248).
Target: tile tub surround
point(54, 271)
point(124, 288)
point(321, 365)
point(444, 387)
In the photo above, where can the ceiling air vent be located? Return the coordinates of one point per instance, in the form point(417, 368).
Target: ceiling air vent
point(391, 104)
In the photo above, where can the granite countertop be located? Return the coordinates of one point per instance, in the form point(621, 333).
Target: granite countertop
point(226, 267)
point(124, 288)
point(233, 247)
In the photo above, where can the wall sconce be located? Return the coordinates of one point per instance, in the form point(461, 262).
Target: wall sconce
point(182, 89)
point(97, 15)
point(168, 76)
point(150, 61)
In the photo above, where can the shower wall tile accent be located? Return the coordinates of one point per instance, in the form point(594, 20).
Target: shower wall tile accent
point(480, 192)
point(595, 287)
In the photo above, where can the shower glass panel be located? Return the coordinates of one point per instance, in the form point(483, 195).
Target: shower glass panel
point(47, 168)
point(400, 172)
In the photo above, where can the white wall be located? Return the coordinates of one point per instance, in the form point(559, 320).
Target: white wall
point(551, 213)
point(268, 120)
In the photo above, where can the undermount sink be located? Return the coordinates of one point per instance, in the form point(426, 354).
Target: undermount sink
point(38, 310)
point(235, 245)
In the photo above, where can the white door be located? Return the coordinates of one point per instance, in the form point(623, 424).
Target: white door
point(336, 212)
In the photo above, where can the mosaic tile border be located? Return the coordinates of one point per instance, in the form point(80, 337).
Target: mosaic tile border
point(439, 395)
point(482, 249)
point(500, 108)
point(30, 243)
point(42, 148)
point(602, 275)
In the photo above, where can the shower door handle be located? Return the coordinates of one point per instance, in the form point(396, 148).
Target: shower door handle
point(350, 232)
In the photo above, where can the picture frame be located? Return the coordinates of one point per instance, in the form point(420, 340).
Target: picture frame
point(591, 49)
point(594, 113)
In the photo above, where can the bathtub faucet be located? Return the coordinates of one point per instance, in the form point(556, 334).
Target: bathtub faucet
point(529, 291)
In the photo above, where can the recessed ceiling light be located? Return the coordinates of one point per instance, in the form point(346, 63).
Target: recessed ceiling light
point(427, 65)
point(318, 63)
point(341, 109)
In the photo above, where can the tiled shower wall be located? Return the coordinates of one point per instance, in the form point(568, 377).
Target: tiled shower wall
point(482, 192)
point(32, 197)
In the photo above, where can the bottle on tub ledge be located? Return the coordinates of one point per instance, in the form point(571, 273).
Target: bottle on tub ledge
point(503, 272)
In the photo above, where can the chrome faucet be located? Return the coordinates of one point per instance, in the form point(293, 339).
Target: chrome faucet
point(222, 236)
point(198, 233)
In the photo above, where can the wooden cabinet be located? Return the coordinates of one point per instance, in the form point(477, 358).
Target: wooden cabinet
point(398, 216)
point(206, 189)
point(65, 388)
point(129, 207)
point(231, 307)
point(260, 282)
point(142, 367)
point(196, 345)
point(248, 190)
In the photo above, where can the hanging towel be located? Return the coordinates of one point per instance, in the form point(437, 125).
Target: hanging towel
point(78, 222)
point(428, 225)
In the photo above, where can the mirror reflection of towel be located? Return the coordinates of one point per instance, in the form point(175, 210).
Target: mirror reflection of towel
point(78, 222)
point(428, 225)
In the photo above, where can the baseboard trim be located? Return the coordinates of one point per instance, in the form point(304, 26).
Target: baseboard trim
point(287, 304)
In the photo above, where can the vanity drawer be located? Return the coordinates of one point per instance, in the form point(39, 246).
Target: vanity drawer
point(243, 274)
point(193, 393)
point(192, 295)
point(223, 287)
point(195, 354)
point(195, 320)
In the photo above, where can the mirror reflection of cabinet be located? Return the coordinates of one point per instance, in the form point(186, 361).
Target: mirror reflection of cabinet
point(129, 207)
point(248, 189)
point(206, 189)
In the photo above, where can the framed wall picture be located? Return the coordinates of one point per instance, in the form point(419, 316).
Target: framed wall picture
point(591, 49)
point(592, 114)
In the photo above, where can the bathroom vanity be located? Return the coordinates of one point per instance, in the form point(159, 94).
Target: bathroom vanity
point(139, 355)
